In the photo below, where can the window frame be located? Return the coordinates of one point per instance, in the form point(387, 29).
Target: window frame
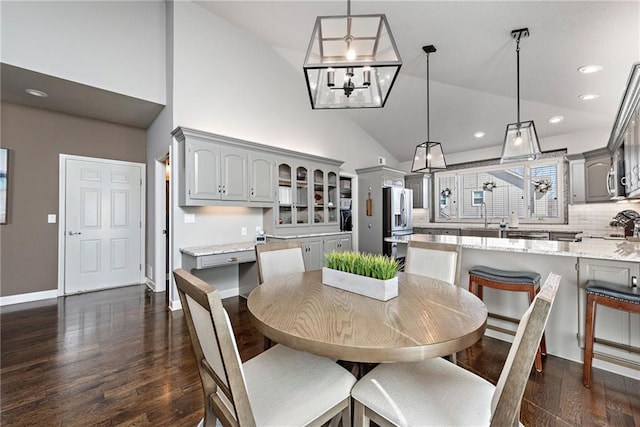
point(457, 195)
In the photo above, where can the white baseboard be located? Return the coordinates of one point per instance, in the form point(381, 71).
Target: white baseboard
point(175, 305)
point(226, 293)
point(32, 296)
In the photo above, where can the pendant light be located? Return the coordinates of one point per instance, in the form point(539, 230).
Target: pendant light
point(429, 156)
point(520, 139)
point(352, 61)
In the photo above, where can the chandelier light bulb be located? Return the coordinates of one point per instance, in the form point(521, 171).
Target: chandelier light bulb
point(351, 54)
point(518, 139)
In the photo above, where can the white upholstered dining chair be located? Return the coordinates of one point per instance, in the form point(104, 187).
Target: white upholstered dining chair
point(436, 392)
point(279, 387)
point(279, 259)
point(437, 260)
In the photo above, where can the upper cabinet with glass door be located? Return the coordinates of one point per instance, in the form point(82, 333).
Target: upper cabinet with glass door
point(307, 197)
point(293, 194)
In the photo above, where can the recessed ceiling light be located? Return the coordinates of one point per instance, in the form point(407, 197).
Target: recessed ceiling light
point(588, 96)
point(555, 119)
point(479, 134)
point(36, 92)
point(588, 69)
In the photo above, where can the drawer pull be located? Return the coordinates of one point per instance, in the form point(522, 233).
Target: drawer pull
point(232, 259)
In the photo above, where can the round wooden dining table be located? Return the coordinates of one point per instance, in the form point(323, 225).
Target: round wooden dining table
point(429, 318)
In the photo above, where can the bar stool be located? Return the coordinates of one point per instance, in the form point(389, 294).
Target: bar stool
point(516, 281)
point(620, 297)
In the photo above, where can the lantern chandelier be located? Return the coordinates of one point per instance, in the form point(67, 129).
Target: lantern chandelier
point(520, 138)
point(352, 61)
point(429, 156)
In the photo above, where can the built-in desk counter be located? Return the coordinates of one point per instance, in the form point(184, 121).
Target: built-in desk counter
point(212, 256)
point(611, 260)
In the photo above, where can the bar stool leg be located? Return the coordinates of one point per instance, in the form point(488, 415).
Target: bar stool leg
point(589, 338)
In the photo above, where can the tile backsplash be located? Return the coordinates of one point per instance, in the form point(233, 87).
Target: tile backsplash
point(592, 219)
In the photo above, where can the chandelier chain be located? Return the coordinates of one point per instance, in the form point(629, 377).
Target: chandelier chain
point(428, 127)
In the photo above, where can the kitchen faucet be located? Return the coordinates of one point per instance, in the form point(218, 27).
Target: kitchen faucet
point(483, 205)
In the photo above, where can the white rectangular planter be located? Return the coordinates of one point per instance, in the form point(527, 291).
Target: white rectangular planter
point(382, 290)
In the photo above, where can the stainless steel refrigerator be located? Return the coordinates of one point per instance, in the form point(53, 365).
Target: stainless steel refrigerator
point(397, 216)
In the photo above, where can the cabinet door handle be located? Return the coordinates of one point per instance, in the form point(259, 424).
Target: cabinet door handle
point(634, 281)
point(219, 188)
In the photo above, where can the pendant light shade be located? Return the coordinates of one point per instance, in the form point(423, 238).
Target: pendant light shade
point(352, 61)
point(429, 156)
point(520, 139)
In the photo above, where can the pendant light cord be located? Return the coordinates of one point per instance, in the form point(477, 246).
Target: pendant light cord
point(518, 74)
point(428, 127)
point(348, 7)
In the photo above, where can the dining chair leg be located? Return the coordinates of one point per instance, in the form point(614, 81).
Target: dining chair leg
point(588, 344)
point(359, 418)
point(538, 362)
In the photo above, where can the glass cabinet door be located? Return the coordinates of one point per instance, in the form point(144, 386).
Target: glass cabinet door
point(285, 195)
point(332, 197)
point(318, 196)
point(301, 207)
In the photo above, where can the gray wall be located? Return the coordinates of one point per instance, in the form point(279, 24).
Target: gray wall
point(35, 138)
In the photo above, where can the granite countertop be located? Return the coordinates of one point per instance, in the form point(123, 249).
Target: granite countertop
point(218, 249)
point(302, 236)
point(619, 250)
point(562, 228)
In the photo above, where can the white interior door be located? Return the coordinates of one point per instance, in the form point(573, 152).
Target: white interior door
point(103, 234)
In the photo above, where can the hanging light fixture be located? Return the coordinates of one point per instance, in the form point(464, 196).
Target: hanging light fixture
point(352, 61)
point(429, 156)
point(520, 139)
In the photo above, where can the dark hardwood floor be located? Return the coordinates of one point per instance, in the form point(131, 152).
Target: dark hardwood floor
point(120, 357)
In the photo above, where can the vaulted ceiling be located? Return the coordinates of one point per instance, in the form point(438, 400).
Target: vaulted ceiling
point(473, 72)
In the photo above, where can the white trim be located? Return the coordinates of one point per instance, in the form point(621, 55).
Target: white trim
point(62, 197)
point(32, 296)
point(175, 305)
point(160, 220)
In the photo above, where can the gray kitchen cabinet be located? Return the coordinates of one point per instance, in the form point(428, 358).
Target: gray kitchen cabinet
point(262, 177)
point(202, 166)
point(596, 175)
point(234, 173)
point(292, 204)
point(480, 232)
point(218, 170)
point(419, 183)
point(314, 247)
point(307, 197)
point(445, 231)
point(625, 133)
point(338, 243)
point(612, 325)
point(313, 253)
point(213, 173)
point(577, 185)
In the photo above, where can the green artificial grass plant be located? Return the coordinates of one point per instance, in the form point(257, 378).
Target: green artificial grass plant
point(376, 266)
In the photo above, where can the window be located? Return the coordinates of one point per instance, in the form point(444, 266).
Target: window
point(534, 191)
point(477, 198)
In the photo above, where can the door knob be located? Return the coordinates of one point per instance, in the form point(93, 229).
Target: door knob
point(72, 233)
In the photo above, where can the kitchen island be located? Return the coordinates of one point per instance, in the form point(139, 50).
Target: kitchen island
point(611, 260)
